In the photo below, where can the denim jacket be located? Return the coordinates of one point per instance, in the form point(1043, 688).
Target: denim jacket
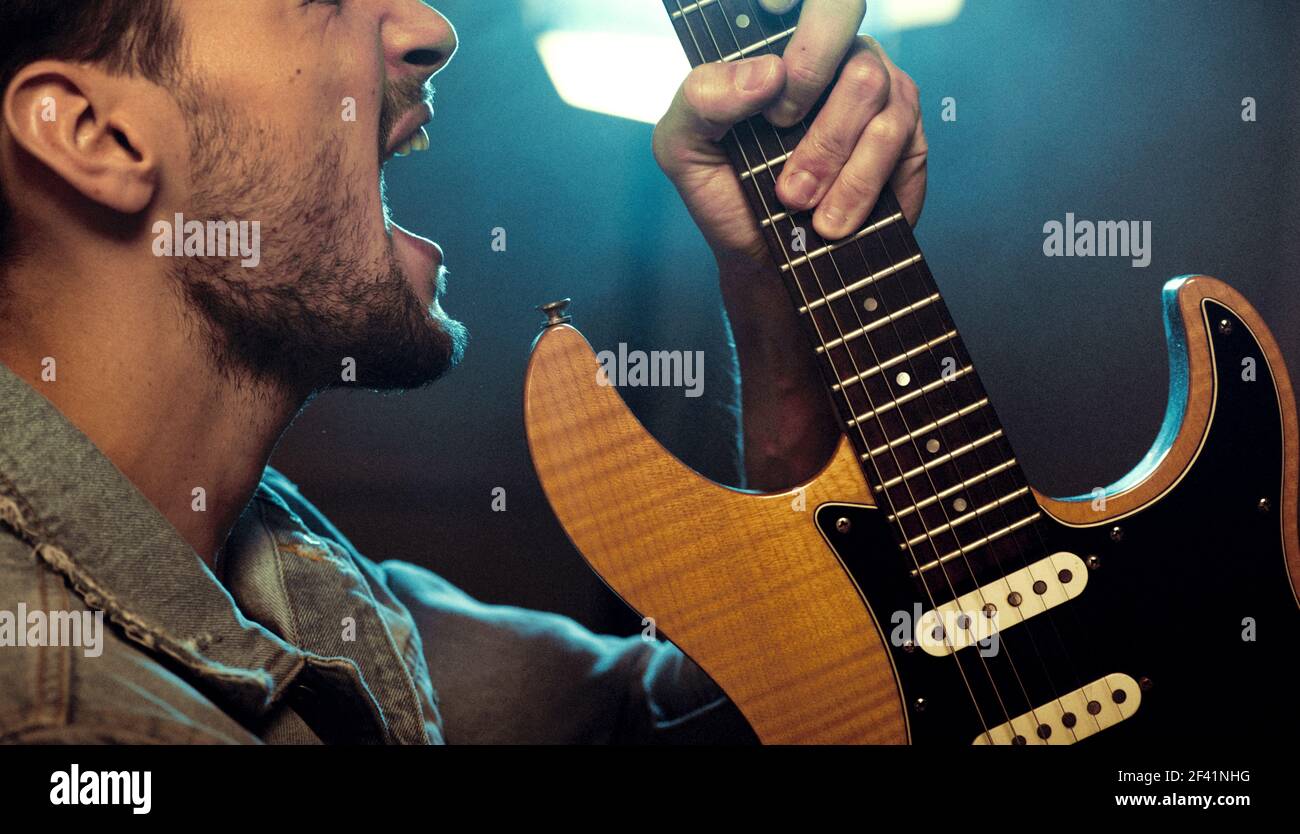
point(300, 640)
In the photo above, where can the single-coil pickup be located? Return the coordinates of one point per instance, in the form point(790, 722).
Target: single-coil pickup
point(1084, 712)
point(1016, 597)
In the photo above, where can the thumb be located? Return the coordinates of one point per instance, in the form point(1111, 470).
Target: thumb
point(713, 98)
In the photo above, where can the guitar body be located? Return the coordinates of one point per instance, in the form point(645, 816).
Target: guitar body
point(1182, 575)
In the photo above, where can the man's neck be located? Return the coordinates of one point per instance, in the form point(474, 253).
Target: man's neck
point(136, 377)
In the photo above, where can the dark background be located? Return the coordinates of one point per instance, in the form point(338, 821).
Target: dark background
point(1109, 109)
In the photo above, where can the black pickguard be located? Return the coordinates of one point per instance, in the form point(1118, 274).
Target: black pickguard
point(1167, 602)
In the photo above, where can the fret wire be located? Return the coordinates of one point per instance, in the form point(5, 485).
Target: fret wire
point(956, 488)
point(961, 519)
point(834, 247)
point(767, 165)
point(878, 323)
point(889, 363)
point(947, 456)
point(685, 10)
point(912, 395)
point(980, 543)
point(754, 47)
point(942, 421)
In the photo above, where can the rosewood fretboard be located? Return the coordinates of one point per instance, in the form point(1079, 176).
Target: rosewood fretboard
point(904, 386)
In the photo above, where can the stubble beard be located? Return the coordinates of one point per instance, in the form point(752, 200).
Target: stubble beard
point(319, 311)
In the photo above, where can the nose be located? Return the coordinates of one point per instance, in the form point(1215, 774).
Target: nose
point(418, 41)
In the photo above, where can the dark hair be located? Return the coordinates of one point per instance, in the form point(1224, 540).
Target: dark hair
point(126, 37)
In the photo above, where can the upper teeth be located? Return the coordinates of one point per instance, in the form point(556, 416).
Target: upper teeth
point(419, 141)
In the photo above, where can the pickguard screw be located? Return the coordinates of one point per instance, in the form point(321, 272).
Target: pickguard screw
point(1117, 533)
point(1145, 684)
point(843, 525)
point(920, 704)
point(1094, 562)
point(1264, 505)
point(1225, 326)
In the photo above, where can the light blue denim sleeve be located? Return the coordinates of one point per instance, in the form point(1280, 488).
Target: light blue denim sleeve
point(511, 675)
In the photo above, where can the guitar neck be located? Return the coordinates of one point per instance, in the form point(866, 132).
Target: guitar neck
point(904, 387)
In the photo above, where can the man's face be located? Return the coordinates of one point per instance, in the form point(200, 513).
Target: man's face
point(291, 109)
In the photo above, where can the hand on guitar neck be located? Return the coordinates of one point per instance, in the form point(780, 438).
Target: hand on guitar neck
point(866, 135)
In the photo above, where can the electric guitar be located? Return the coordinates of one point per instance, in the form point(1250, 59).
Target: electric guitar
point(919, 589)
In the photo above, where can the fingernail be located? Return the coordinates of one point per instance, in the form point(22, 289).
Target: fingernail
point(785, 112)
point(832, 218)
point(802, 188)
point(752, 74)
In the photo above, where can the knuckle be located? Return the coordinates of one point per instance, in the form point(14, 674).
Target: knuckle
point(868, 79)
point(884, 130)
point(806, 74)
point(667, 149)
point(856, 184)
point(823, 149)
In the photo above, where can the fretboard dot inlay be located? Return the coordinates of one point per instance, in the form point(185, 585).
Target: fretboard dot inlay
point(1014, 599)
point(742, 21)
point(1040, 587)
point(904, 379)
point(932, 446)
point(960, 505)
point(870, 305)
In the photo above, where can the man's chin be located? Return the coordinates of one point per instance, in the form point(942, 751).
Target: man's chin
point(407, 364)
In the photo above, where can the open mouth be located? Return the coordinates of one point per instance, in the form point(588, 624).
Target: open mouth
point(408, 135)
point(420, 258)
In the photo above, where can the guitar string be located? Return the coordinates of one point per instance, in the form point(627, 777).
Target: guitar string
point(822, 339)
point(767, 212)
point(927, 403)
point(979, 454)
point(1030, 705)
point(1001, 509)
point(1048, 615)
